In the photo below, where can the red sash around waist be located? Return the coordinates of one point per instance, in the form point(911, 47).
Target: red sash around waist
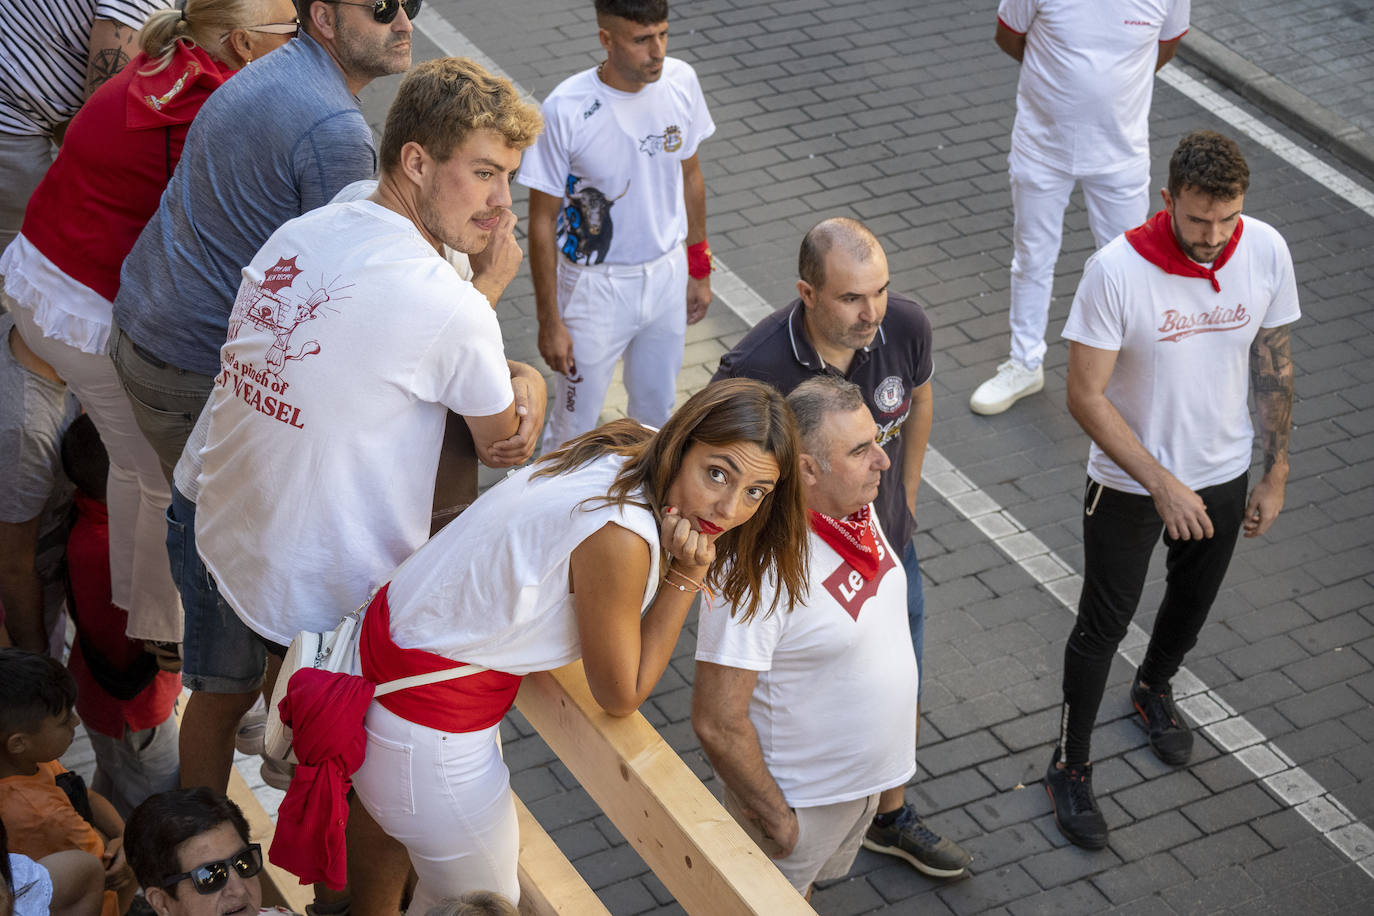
point(466, 704)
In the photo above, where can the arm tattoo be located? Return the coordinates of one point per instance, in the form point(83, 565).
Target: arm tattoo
point(106, 61)
point(1271, 377)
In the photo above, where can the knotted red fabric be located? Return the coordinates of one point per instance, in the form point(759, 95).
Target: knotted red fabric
point(1154, 241)
point(466, 704)
point(852, 538)
point(325, 711)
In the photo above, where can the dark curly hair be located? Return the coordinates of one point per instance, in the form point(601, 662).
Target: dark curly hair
point(1210, 163)
point(32, 688)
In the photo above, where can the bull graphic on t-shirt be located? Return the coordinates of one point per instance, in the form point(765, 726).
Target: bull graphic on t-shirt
point(586, 222)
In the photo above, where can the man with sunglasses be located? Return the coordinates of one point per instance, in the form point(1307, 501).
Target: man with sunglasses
point(189, 850)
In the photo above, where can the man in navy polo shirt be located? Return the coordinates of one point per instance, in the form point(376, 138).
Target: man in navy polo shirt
point(845, 322)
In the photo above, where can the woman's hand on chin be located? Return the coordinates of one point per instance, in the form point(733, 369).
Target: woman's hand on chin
point(691, 550)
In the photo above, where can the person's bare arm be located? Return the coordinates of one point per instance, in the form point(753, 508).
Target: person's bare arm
point(21, 590)
point(1271, 377)
point(720, 717)
point(915, 437)
point(531, 400)
point(1167, 50)
point(113, 44)
point(1184, 514)
point(623, 653)
point(1012, 44)
point(555, 344)
point(694, 196)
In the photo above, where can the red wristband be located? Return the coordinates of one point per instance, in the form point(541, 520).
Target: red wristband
point(699, 263)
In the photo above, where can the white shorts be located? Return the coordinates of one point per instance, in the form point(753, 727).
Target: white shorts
point(447, 797)
point(828, 838)
point(610, 310)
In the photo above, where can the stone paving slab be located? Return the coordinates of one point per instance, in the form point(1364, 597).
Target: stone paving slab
point(899, 114)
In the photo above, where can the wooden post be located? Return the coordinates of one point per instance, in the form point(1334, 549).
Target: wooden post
point(694, 847)
point(279, 886)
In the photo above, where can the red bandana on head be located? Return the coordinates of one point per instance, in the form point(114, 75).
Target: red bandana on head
point(1154, 240)
point(851, 537)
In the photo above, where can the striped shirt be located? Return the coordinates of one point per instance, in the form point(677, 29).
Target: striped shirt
point(44, 50)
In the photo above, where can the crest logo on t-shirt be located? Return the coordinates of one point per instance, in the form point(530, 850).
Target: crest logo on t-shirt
point(670, 141)
point(850, 590)
point(271, 307)
point(888, 395)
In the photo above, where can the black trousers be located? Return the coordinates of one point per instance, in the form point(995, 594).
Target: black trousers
point(1120, 531)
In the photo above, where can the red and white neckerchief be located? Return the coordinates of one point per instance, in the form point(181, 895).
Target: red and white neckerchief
point(1154, 241)
point(852, 537)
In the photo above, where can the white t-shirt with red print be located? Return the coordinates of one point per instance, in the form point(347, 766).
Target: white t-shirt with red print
point(349, 340)
point(835, 700)
point(1087, 78)
point(615, 158)
point(1182, 373)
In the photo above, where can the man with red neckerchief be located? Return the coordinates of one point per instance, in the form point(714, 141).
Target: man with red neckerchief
point(1167, 320)
point(808, 717)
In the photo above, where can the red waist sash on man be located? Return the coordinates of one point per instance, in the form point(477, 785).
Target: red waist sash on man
point(465, 704)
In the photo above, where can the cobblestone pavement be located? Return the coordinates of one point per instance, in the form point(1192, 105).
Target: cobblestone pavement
point(1322, 48)
point(898, 113)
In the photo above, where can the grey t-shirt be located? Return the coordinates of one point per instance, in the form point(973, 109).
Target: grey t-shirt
point(276, 141)
point(34, 413)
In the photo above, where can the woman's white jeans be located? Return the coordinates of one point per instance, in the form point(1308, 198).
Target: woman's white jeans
point(136, 492)
point(447, 797)
point(1116, 201)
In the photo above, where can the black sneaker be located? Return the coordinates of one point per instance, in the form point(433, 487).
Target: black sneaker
point(1075, 809)
point(909, 838)
point(1170, 737)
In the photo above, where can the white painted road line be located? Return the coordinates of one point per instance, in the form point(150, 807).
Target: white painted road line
point(1231, 733)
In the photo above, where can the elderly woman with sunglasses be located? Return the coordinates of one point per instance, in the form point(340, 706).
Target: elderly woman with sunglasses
point(61, 274)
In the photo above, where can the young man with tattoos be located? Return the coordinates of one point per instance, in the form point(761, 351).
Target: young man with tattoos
point(1167, 321)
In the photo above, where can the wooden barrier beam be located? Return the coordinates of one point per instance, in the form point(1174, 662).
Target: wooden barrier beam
point(279, 886)
point(549, 885)
point(694, 847)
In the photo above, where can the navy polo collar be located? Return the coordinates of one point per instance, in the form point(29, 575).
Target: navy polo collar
point(805, 351)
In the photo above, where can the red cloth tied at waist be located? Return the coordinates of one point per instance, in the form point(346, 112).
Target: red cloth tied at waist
point(466, 704)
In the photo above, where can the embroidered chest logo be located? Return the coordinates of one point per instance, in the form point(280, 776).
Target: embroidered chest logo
point(596, 105)
point(157, 102)
point(271, 308)
point(670, 141)
point(1176, 325)
point(888, 394)
point(850, 590)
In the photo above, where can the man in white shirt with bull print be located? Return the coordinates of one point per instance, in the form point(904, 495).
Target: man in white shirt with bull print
point(1169, 320)
point(808, 717)
point(615, 192)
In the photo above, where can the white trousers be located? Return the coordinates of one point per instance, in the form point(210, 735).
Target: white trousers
point(136, 494)
point(1039, 195)
point(447, 797)
point(638, 310)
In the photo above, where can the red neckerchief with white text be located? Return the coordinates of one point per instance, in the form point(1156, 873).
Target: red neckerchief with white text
point(851, 537)
point(1154, 240)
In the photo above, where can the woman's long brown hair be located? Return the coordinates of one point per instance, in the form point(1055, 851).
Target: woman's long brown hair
point(773, 541)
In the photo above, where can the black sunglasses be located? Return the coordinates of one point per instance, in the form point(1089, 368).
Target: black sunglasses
point(384, 11)
point(212, 876)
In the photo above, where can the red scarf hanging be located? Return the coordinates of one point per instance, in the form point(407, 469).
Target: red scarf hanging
point(851, 537)
point(1154, 240)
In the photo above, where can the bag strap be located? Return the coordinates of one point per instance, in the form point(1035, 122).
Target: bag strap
point(420, 680)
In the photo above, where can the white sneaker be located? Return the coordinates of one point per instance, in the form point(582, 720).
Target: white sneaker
point(252, 728)
point(1012, 382)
